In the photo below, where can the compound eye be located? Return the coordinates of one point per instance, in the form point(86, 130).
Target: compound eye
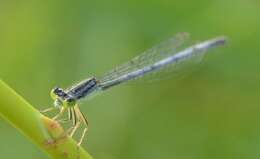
point(69, 102)
point(57, 90)
point(53, 93)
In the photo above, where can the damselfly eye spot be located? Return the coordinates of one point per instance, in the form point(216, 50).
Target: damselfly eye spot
point(69, 102)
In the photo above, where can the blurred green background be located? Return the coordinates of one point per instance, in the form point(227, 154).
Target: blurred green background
point(211, 113)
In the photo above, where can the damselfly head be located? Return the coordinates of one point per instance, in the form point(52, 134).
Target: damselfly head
point(61, 98)
point(57, 92)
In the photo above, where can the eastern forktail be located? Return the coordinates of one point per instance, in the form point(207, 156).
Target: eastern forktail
point(153, 60)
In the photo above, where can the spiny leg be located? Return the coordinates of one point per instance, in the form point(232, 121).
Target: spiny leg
point(77, 118)
point(85, 122)
point(82, 136)
point(75, 128)
point(48, 110)
point(64, 120)
point(71, 117)
point(62, 110)
point(76, 123)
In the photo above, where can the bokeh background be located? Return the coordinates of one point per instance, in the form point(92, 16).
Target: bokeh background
point(211, 113)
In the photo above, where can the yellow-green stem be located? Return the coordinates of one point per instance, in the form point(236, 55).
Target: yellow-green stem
point(44, 132)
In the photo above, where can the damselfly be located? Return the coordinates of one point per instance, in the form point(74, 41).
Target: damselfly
point(159, 57)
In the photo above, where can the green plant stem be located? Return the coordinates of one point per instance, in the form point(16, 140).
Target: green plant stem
point(44, 132)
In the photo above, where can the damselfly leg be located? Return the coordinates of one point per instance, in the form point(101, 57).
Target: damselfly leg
point(77, 118)
point(62, 110)
point(48, 110)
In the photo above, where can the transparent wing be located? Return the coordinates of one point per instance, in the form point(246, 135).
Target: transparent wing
point(169, 54)
point(150, 56)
